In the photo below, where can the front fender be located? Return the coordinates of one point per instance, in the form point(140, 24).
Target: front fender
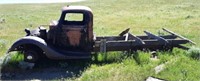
point(28, 40)
point(49, 52)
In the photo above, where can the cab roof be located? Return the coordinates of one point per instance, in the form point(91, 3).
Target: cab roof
point(73, 8)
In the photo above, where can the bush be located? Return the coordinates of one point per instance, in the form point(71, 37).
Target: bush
point(194, 53)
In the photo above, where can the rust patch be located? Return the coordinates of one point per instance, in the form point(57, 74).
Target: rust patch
point(74, 37)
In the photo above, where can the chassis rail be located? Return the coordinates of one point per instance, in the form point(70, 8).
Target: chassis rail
point(126, 41)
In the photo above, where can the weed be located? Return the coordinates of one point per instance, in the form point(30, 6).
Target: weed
point(142, 57)
point(109, 57)
point(164, 57)
point(13, 59)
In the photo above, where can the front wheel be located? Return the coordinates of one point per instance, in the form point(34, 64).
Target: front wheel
point(31, 56)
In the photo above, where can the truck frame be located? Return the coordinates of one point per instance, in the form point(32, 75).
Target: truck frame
point(74, 39)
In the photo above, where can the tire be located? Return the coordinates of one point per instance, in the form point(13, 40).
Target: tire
point(31, 56)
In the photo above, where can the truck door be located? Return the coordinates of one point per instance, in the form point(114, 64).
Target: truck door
point(74, 29)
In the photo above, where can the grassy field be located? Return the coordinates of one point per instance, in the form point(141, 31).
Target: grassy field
point(110, 18)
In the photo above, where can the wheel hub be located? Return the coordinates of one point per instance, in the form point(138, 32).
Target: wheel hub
point(29, 57)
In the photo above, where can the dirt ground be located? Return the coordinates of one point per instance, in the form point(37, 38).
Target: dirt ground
point(44, 71)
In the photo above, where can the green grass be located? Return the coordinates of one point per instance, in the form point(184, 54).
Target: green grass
point(110, 18)
point(182, 69)
point(127, 69)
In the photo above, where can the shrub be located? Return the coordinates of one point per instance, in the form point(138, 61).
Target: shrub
point(194, 53)
point(2, 44)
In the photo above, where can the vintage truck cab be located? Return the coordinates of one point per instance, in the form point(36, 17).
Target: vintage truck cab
point(71, 37)
point(74, 29)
